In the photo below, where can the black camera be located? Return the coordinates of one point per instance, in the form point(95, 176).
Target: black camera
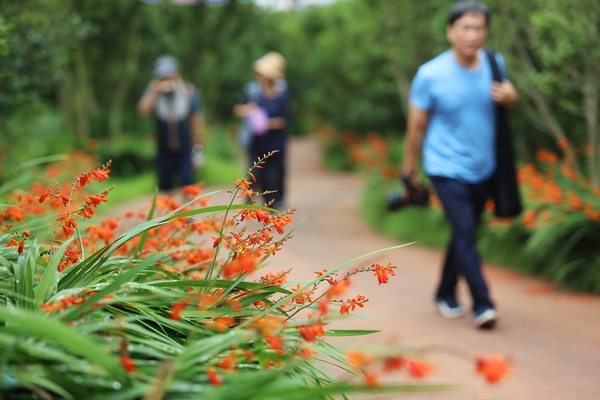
point(413, 194)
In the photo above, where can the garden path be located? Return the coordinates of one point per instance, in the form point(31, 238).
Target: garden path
point(552, 334)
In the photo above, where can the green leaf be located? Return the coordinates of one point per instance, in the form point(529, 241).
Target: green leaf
point(48, 278)
point(46, 328)
point(350, 332)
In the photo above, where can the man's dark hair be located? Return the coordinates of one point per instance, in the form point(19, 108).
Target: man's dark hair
point(468, 7)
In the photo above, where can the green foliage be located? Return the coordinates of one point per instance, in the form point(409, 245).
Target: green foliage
point(35, 123)
point(3, 44)
point(35, 38)
point(128, 317)
point(338, 71)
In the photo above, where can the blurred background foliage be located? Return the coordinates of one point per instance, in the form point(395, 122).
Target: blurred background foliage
point(71, 72)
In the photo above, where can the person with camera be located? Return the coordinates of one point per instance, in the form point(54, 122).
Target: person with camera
point(176, 107)
point(452, 117)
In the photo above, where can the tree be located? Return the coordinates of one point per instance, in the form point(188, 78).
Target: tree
point(557, 54)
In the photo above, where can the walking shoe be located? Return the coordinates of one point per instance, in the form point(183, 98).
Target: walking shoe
point(486, 319)
point(449, 307)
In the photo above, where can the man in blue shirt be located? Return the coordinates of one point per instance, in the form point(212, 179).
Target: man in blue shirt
point(452, 117)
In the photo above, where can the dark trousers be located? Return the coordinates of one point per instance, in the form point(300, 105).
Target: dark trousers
point(172, 165)
point(271, 177)
point(463, 204)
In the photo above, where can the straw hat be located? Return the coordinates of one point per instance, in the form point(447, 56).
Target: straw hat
point(271, 66)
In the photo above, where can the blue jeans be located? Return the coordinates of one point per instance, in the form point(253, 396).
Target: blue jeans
point(463, 204)
point(174, 165)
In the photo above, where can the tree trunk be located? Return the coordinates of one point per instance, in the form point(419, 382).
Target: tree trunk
point(403, 85)
point(590, 102)
point(115, 115)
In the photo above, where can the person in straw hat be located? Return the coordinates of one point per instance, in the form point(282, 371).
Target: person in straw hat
point(266, 110)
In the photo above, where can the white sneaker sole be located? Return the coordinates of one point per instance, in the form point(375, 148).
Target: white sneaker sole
point(449, 312)
point(487, 319)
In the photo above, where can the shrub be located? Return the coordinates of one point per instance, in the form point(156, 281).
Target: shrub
point(168, 309)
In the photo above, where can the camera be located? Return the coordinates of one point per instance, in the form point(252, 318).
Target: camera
point(413, 194)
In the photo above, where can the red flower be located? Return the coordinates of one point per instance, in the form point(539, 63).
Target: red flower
point(44, 196)
point(493, 369)
point(213, 377)
point(95, 199)
point(128, 363)
point(393, 363)
point(311, 332)
point(100, 174)
point(84, 180)
point(345, 308)
point(228, 363)
point(21, 247)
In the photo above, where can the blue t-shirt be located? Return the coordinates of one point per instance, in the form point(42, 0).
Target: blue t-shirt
point(460, 138)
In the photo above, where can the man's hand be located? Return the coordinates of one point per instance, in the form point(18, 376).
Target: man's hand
point(415, 132)
point(505, 94)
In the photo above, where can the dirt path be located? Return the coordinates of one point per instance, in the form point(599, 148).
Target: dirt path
point(553, 335)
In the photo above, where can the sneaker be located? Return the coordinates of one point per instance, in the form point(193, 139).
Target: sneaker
point(449, 307)
point(486, 319)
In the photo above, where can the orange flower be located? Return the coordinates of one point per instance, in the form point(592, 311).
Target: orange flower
point(339, 288)
point(128, 363)
point(100, 174)
point(358, 359)
point(575, 201)
point(529, 219)
point(191, 190)
point(371, 379)
point(322, 309)
point(213, 377)
point(358, 301)
point(419, 368)
point(277, 279)
point(311, 332)
point(221, 324)
point(307, 353)
point(570, 173)
point(177, 308)
point(237, 267)
point(563, 144)
point(493, 369)
point(345, 308)
point(227, 363)
point(382, 272)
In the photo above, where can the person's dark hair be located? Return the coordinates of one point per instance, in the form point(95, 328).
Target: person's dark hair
point(467, 7)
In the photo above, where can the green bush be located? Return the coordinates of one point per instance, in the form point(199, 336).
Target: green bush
point(172, 308)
